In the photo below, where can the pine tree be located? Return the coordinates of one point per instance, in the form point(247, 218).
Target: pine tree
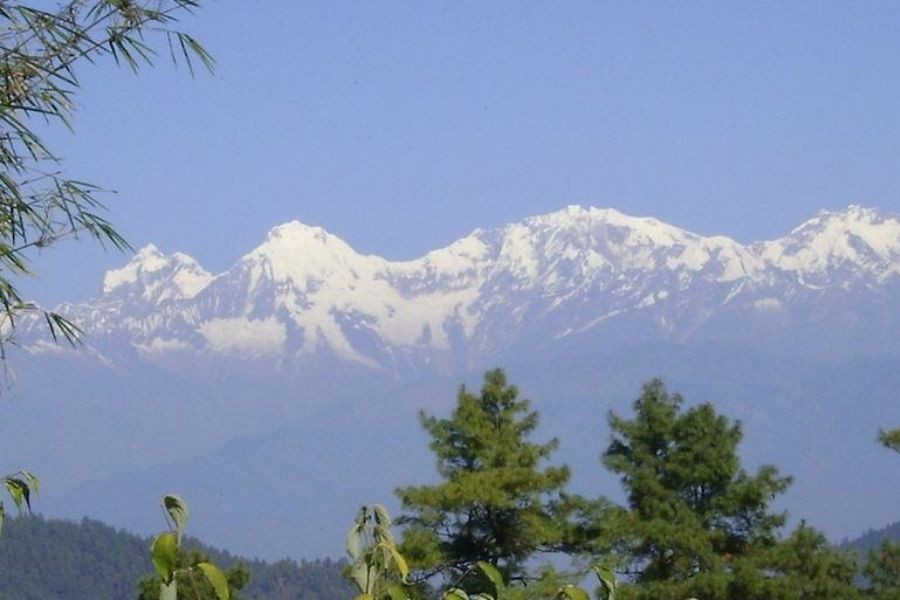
point(883, 571)
point(697, 524)
point(804, 566)
point(496, 503)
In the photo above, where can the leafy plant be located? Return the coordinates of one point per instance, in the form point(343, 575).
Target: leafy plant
point(499, 590)
point(20, 486)
point(377, 568)
point(490, 573)
point(164, 554)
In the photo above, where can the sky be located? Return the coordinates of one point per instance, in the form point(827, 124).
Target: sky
point(402, 126)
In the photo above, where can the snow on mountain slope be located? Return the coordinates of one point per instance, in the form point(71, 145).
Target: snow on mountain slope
point(856, 243)
point(157, 277)
point(305, 294)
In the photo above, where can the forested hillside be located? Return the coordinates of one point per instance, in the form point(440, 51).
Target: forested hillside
point(873, 538)
point(44, 559)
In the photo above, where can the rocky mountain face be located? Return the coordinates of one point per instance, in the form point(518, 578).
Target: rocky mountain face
point(280, 395)
point(566, 281)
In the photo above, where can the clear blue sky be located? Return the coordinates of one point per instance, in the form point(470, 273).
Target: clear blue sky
point(401, 126)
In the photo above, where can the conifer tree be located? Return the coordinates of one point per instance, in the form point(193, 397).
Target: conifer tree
point(496, 503)
point(883, 571)
point(697, 524)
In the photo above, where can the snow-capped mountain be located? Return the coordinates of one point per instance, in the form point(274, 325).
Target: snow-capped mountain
point(301, 369)
point(551, 282)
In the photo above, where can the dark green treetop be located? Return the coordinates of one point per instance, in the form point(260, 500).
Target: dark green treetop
point(696, 523)
point(497, 503)
point(883, 571)
point(804, 565)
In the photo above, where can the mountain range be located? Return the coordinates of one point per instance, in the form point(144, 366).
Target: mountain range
point(557, 281)
point(296, 374)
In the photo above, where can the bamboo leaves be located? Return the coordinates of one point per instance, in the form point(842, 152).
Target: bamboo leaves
point(41, 49)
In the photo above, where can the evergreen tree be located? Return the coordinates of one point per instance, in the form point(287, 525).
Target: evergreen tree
point(883, 571)
point(696, 523)
point(803, 566)
point(496, 503)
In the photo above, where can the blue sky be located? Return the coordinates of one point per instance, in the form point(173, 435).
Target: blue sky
point(401, 126)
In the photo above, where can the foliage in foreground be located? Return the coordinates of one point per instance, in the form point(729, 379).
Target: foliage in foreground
point(185, 575)
point(20, 487)
point(493, 586)
point(42, 46)
point(379, 571)
point(376, 567)
point(190, 585)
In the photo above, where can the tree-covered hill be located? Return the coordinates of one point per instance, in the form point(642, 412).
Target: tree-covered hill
point(46, 559)
point(873, 538)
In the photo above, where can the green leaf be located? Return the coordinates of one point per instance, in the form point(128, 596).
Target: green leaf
point(18, 491)
point(381, 515)
point(396, 592)
point(33, 483)
point(607, 581)
point(365, 597)
point(399, 561)
point(455, 594)
point(355, 535)
point(177, 510)
point(381, 529)
point(168, 591)
point(216, 578)
point(572, 592)
point(491, 572)
point(359, 574)
point(164, 554)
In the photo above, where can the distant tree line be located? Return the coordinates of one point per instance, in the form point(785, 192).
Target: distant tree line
point(43, 559)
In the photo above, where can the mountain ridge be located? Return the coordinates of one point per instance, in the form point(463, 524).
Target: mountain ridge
point(304, 293)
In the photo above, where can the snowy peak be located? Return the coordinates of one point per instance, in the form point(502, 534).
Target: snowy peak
point(856, 241)
point(568, 248)
point(582, 220)
point(304, 293)
point(301, 254)
point(606, 239)
point(157, 277)
point(297, 236)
